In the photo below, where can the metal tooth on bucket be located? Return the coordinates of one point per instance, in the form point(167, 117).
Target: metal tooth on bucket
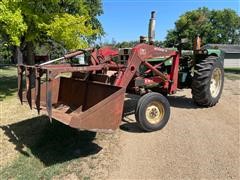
point(38, 74)
point(29, 76)
point(20, 83)
point(49, 94)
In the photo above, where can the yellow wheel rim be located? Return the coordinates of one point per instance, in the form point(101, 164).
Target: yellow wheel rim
point(154, 112)
point(216, 82)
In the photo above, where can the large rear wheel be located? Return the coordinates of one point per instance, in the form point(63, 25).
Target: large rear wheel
point(208, 82)
point(152, 112)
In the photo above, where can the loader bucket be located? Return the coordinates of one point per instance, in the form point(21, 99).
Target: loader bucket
point(87, 105)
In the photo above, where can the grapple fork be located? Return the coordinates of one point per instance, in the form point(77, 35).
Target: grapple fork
point(38, 75)
point(49, 90)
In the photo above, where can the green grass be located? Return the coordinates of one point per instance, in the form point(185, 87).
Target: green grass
point(30, 168)
point(232, 70)
point(232, 73)
point(232, 76)
point(8, 81)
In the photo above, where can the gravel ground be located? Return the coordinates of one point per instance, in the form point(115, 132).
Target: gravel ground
point(197, 143)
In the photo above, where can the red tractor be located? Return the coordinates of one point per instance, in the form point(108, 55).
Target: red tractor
point(92, 96)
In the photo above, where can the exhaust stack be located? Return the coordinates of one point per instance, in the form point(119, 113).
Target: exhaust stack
point(197, 43)
point(151, 28)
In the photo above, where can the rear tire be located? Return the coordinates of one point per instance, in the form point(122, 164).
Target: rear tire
point(152, 112)
point(208, 82)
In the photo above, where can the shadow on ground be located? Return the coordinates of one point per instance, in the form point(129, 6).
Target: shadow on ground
point(182, 102)
point(55, 142)
point(8, 86)
point(7, 67)
point(51, 143)
point(130, 125)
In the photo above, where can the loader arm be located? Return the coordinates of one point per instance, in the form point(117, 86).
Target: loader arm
point(139, 55)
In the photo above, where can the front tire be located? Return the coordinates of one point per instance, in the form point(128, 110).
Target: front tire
point(152, 112)
point(208, 82)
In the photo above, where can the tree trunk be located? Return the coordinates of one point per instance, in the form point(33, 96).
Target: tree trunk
point(17, 55)
point(29, 53)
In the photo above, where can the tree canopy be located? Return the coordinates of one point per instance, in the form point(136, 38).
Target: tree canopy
point(71, 23)
point(214, 26)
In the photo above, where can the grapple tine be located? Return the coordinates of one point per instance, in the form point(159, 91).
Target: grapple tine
point(28, 86)
point(49, 95)
point(20, 82)
point(38, 74)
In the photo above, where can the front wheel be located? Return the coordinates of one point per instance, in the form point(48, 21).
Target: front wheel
point(152, 112)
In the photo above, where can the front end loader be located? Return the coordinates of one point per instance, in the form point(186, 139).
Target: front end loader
point(90, 95)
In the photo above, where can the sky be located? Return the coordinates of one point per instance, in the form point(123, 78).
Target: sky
point(126, 20)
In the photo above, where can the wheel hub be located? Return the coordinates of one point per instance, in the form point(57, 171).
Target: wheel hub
point(216, 82)
point(154, 112)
